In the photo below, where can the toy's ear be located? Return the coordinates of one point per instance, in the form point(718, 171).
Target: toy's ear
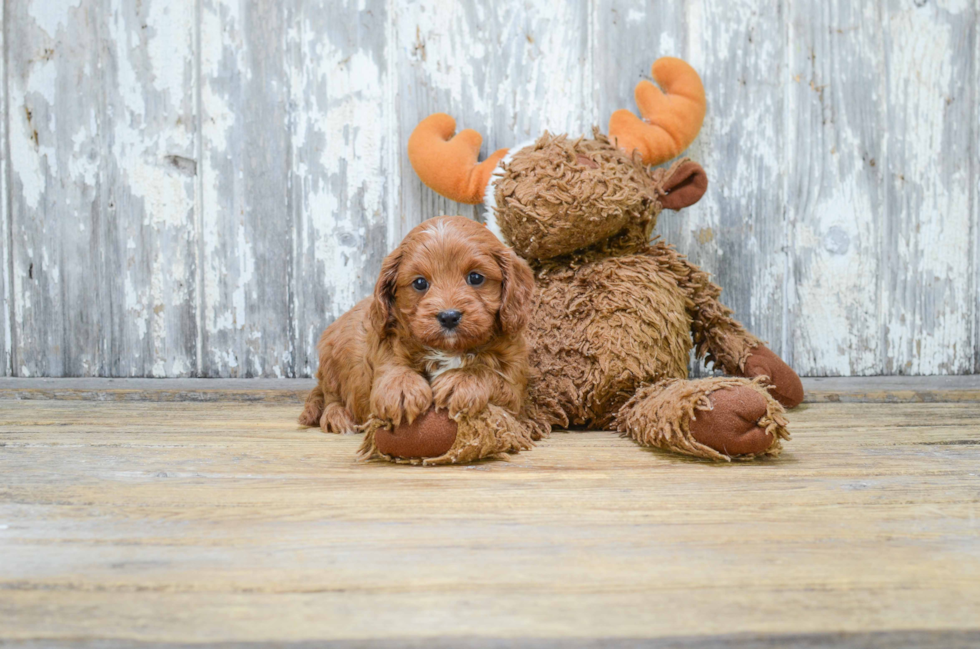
point(684, 186)
point(380, 312)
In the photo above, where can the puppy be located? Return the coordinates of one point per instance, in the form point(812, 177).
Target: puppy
point(442, 329)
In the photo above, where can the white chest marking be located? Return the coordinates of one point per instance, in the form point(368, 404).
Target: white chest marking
point(438, 362)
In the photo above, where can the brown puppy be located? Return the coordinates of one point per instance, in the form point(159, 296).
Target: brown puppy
point(443, 328)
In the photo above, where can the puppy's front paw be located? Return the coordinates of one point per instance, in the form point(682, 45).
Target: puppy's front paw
point(400, 397)
point(460, 392)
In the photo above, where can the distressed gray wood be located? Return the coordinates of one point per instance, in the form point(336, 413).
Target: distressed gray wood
point(506, 70)
point(102, 207)
point(929, 294)
point(57, 186)
point(850, 389)
point(212, 182)
point(975, 207)
point(740, 47)
point(149, 249)
point(835, 200)
point(246, 235)
point(6, 331)
point(439, 69)
point(341, 181)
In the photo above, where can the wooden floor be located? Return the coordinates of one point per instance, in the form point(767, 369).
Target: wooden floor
point(132, 523)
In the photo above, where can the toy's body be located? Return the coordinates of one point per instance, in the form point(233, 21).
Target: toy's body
point(587, 361)
point(616, 317)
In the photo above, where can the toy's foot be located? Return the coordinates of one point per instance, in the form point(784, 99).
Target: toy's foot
point(731, 426)
point(435, 438)
point(718, 418)
point(431, 434)
point(782, 382)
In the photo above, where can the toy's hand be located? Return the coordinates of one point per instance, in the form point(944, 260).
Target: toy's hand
point(458, 392)
point(784, 384)
point(432, 434)
point(400, 395)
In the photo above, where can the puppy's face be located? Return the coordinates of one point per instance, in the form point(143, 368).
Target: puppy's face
point(452, 285)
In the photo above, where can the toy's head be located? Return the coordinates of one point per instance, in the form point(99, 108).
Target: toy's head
point(558, 195)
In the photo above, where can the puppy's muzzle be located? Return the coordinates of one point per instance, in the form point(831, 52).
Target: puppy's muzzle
point(449, 319)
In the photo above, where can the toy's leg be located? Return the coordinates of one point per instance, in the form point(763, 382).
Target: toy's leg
point(718, 418)
point(327, 411)
point(490, 432)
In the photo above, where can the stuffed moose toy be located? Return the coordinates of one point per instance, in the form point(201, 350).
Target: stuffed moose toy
point(615, 316)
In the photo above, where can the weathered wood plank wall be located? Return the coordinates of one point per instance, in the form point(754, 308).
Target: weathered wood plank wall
point(196, 188)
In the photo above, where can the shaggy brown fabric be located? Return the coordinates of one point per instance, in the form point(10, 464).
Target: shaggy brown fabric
point(660, 415)
point(731, 426)
point(491, 432)
point(614, 314)
point(603, 326)
point(560, 195)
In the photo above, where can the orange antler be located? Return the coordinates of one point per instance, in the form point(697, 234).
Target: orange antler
point(448, 164)
point(671, 119)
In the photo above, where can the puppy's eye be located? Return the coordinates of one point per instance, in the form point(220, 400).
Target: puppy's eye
point(474, 279)
point(420, 284)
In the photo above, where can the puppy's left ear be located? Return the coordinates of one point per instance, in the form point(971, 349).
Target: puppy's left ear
point(517, 291)
point(380, 312)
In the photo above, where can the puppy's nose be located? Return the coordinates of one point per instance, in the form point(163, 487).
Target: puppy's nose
point(449, 319)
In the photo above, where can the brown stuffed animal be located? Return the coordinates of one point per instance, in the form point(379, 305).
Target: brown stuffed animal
point(616, 315)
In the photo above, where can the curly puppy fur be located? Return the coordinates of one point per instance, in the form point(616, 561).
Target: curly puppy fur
point(390, 357)
point(615, 314)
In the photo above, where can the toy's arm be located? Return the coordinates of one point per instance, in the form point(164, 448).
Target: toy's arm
point(721, 339)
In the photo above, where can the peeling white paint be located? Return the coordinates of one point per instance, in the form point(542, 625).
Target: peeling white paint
point(842, 211)
point(50, 15)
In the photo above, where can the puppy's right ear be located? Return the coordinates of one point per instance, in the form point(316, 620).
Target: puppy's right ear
point(380, 313)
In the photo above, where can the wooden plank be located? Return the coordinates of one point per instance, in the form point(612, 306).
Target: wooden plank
point(892, 389)
point(57, 187)
point(246, 230)
point(342, 183)
point(741, 47)
point(928, 293)
point(975, 174)
point(6, 291)
point(441, 53)
point(913, 639)
point(880, 389)
point(148, 249)
point(835, 187)
point(213, 523)
point(102, 198)
point(507, 70)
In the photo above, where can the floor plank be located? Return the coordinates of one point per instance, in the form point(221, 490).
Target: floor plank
point(225, 522)
point(849, 389)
